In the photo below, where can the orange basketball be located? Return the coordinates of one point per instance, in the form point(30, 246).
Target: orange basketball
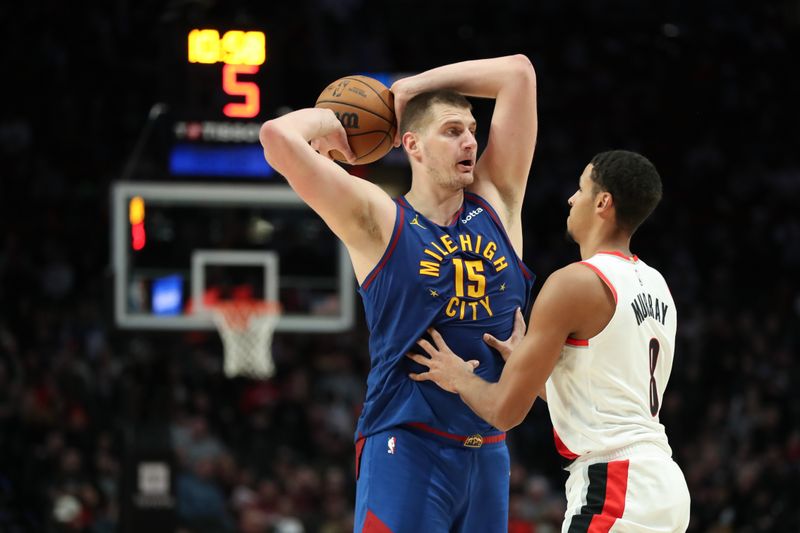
point(365, 107)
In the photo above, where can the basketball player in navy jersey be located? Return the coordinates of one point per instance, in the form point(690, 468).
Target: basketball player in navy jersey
point(447, 255)
point(600, 351)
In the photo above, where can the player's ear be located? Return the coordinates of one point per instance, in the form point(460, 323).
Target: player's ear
point(411, 144)
point(605, 201)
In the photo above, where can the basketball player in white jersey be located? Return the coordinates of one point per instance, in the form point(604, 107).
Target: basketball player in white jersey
point(599, 350)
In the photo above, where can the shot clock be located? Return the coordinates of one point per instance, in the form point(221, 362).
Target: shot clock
point(242, 53)
point(219, 104)
point(220, 83)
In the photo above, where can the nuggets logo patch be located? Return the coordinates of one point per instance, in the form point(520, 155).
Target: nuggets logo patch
point(473, 441)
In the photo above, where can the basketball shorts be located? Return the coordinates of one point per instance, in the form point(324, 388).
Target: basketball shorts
point(411, 480)
point(638, 488)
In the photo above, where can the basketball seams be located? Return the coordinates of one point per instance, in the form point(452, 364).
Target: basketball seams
point(354, 103)
point(371, 88)
point(349, 104)
point(361, 133)
point(386, 137)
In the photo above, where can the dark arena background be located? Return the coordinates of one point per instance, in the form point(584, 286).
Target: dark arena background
point(115, 415)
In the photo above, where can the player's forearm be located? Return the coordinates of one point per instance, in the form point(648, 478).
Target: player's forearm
point(286, 139)
point(483, 398)
point(482, 78)
point(299, 126)
point(287, 150)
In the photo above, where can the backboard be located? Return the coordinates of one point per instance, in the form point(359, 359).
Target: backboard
point(177, 247)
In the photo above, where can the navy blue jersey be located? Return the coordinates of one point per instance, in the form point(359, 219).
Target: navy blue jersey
point(464, 279)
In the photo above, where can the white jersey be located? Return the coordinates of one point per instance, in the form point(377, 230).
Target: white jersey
point(605, 392)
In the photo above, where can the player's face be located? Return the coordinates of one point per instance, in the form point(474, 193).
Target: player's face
point(449, 146)
point(581, 206)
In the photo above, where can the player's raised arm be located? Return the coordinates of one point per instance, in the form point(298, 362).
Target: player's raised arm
point(502, 171)
point(511, 82)
point(357, 211)
point(506, 161)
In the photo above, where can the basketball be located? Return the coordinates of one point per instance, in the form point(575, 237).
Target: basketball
point(365, 107)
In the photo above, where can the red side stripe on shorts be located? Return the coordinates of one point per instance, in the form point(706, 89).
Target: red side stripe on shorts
point(373, 524)
point(614, 505)
point(605, 498)
point(359, 448)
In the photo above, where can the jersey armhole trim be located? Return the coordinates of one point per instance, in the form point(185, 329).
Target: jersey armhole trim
point(580, 343)
point(493, 214)
point(398, 229)
point(602, 277)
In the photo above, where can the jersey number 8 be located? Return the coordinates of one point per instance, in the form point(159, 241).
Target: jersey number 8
point(654, 346)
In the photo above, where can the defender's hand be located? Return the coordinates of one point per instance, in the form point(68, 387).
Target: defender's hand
point(445, 368)
point(507, 346)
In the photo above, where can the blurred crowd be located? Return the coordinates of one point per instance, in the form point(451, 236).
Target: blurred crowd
point(706, 91)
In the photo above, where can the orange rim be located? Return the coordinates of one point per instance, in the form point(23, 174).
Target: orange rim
point(237, 313)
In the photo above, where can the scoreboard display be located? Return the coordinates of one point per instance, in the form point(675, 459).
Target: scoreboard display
point(217, 92)
point(221, 84)
point(241, 55)
point(240, 52)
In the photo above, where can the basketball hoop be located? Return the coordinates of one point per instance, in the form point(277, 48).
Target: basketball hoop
point(246, 328)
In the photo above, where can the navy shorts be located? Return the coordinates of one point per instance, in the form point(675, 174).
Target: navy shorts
point(410, 480)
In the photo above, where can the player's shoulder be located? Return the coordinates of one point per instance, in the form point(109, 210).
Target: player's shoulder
point(485, 189)
point(487, 193)
point(574, 275)
point(571, 297)
point(572, 279)
point(576, 282)
point(648, 267)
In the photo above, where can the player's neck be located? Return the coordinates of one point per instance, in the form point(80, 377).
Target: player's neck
point(605, 243)
point(437, 205)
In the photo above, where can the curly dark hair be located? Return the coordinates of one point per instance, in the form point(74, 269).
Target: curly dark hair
point(416, 111)
point(633, 182)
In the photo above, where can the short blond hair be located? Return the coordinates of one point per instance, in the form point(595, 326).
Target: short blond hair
point(417, 112)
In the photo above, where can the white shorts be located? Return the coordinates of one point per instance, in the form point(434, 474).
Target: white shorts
point(634, 489)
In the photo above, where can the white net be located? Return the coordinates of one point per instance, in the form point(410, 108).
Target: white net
point(246, 329)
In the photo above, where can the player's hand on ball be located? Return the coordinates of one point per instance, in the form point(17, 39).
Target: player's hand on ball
point(402, 91)
point(507, 346)
point(445, 368)
point(334, 140)
point(365, 108)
